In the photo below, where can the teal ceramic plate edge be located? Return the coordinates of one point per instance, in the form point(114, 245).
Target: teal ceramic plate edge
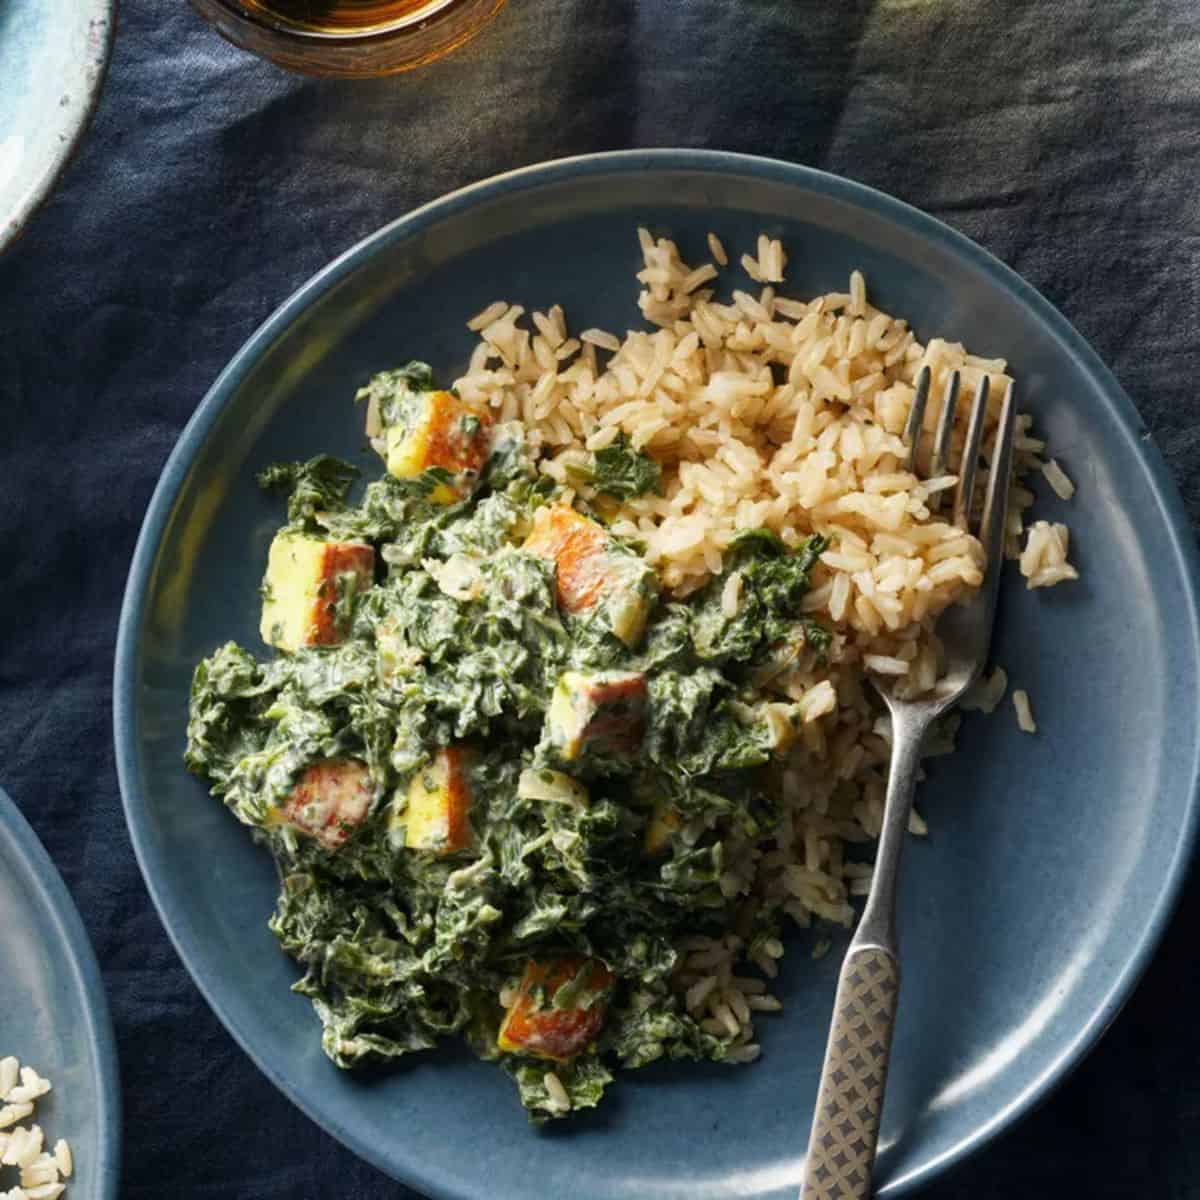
point(1170, 509)
point(80, 95)
point(45, 887)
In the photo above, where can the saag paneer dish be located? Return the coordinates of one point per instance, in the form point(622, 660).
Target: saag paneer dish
point(569, 712)
point(501, 771)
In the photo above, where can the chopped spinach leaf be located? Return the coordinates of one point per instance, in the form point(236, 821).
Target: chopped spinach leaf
point(622, 472)
point(320, 485)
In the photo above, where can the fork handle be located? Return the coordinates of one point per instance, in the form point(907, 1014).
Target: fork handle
point(845, 1130)
point(841, 1151)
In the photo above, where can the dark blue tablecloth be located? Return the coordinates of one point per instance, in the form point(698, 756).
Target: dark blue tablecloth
point(1064, 136)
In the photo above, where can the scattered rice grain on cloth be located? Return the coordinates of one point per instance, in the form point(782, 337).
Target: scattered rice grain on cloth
point(1025, 720)
point(770, 411)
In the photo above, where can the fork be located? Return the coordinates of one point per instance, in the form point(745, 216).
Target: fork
point(845, 1130)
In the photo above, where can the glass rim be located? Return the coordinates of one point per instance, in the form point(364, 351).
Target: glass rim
point(281, 27)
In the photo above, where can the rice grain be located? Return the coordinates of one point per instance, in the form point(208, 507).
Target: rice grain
point(1056, 477)
point(556, 1092)
point(717, 250)
point(1025, 719)
point(23, 1146)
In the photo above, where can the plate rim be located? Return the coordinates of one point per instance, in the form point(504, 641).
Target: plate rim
point(53, 894)
point(14, 223)
point(1130, 424)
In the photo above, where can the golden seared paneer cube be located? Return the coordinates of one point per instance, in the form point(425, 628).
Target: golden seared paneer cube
point(329, 801)
point(558, 1009)
point(438, 430)
point(596, 714)
point(436, 815)
point(593, 573)
point(309, 589)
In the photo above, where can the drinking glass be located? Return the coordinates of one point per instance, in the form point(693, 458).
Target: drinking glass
point(348, 37)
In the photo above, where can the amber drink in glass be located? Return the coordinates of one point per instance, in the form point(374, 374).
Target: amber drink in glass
point(349, 37)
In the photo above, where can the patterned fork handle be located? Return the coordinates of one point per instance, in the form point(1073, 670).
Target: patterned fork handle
point(841, 1151)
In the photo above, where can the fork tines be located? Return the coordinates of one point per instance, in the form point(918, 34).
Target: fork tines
point(941, 440)
point(916, 418)
point(995, 504)
point(994, 507)
point(970, 459)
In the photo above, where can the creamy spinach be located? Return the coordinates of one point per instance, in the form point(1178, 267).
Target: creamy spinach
point(461, 641)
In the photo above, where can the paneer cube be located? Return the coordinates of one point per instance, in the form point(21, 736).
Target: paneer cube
point(309, 589)
point(599, 713)
point(665, 822)
point(591, 572)
point(558, 1010)
point(436, 816)
point(577, 546)
point(437, 429)
point(330, 800)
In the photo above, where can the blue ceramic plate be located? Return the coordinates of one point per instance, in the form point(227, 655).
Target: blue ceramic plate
point(53, 55)
point(1026, 916)
point(53, 1015)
